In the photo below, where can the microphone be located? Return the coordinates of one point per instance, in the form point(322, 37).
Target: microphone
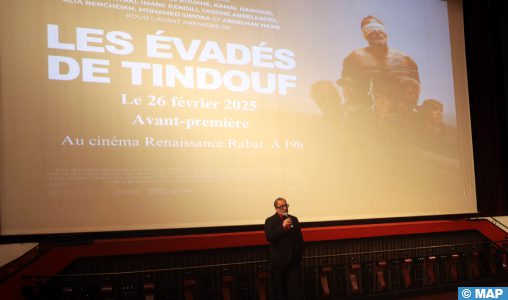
point(286, 215)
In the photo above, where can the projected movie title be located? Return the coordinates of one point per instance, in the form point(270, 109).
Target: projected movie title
point(160, 46)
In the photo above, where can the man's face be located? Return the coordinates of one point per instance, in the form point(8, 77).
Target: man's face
point(408, 101)
point(377, 38)
point(281, 207)
point(436, 114)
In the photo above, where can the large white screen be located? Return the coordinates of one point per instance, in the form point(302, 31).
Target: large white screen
point(121, 115)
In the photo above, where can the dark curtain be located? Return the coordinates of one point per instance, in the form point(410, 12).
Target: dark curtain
point(486, 35)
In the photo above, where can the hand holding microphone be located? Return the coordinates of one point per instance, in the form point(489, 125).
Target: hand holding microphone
point(287, 223)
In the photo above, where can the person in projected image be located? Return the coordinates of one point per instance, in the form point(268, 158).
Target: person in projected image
point(432, 116)
point(434, 134)
point(326, 96)
point(405, 113)
point(351, 91)
point(392, 119)
point(284, 235)
point(378, 121)
point(408, 96)
point(375, 60)
point(378, 138)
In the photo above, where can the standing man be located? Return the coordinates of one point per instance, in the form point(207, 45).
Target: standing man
point(286, 243)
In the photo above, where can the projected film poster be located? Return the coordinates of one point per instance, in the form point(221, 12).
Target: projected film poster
point(180, 108)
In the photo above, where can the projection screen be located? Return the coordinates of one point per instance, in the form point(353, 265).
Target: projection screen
point(132, 115)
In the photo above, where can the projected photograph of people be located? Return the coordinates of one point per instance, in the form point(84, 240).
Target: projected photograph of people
point(380, 95)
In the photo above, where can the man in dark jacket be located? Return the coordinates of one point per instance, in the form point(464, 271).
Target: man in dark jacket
point(286, 243)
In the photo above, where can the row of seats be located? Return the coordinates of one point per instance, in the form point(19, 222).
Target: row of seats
point(330, 270)
point(226, 282)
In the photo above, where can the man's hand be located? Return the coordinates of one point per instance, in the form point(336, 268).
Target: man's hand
point(287, 223)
